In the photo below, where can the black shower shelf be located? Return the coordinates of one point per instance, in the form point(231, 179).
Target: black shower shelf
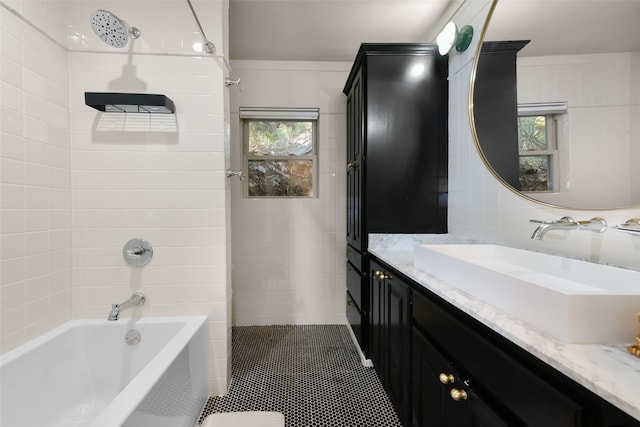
point(112, 102)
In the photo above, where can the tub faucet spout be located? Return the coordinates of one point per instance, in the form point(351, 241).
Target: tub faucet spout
point(135, 300)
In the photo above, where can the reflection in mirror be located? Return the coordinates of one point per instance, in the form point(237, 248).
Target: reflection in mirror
point(575, 138)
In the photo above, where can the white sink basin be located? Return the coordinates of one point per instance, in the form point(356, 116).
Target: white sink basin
point(574, 301)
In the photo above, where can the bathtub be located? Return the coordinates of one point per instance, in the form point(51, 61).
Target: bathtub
point(83, 373)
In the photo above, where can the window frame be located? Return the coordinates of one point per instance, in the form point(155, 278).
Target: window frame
point(248, 115)
point(551, 111)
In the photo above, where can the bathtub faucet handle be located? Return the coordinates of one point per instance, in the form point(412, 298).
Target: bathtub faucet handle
point(137, 252)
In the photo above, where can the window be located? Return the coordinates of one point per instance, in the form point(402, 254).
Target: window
point(537, 144)
point(280, 152)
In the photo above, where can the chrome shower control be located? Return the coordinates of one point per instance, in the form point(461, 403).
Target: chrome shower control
point(137, 252)
point(241, 176)
point(230, 82)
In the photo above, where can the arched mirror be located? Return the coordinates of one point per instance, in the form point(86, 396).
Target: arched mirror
point(556, 101)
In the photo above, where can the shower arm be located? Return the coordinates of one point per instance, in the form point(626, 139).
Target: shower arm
point(208, 46)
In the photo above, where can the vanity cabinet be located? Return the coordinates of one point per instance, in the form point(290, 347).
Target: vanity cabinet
point(390, 335)
point(490, 374)
point(397, 148)
point(440, 395)
point(458, 372)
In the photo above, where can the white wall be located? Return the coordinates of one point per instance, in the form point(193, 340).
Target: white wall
point(35, 216)
point(166, 186)
point(289, 254)
point(597, 134)
point(78, 184)
point(480, 207)
point(635, 130)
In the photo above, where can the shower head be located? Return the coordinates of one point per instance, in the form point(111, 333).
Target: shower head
point(112, 30)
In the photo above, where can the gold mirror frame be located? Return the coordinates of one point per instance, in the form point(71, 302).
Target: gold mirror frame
point(476, 141)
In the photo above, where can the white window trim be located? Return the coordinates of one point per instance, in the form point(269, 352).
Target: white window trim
point(279, 113)
point(551, 110)
point(282, 114)
point(542, 108)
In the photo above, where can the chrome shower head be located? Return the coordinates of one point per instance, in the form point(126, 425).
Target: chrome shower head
point(112, 30)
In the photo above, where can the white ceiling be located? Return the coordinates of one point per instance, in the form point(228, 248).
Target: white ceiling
point(332, 30)
point(558, 27)
point(325, 30)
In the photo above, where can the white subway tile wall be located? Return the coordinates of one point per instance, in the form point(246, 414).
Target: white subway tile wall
point(596, 88)
point(289, 254)
point(78, 184)
point(35, 214)
point(166, 185)
point(480, 207)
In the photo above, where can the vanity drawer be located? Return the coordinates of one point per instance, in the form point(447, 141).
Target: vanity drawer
point(355, 318)
point(529, 398)
point(355, 258)
point(355, 285)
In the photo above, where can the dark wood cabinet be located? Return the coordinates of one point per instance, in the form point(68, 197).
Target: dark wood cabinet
point(526, 399)
point(440, 396)
point(495, 107)
point(397, 141)
point(390, 335)
point(377, 342)
point(443, 368)
point(357, 309)
point(358, 296)
point(397, 147)
point(355, 157)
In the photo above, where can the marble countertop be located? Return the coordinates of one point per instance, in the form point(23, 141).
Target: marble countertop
point(610, 371)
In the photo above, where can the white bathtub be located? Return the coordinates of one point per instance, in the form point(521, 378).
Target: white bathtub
point(84, 374)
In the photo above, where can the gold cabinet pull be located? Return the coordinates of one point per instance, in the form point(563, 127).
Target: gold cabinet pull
point(350, 165)
point(458, 395)
point(381, 275)
point(446, 378)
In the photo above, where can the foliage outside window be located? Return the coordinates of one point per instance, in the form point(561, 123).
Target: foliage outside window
point(280, 152)
point(537, 144)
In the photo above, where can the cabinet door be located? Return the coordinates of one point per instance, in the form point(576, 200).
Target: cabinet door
point(407, 145)
point(433, 380)
point(398, 332)
point(427, 391)
point(376, 318)
point(527, 398)
point(355, 145)
point(481, 415)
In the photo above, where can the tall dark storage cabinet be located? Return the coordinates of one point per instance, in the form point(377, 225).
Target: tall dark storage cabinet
point(495, 107)
point(397, 142)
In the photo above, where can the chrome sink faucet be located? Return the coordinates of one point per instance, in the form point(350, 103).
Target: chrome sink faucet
point(597, 225)
point(135, 300)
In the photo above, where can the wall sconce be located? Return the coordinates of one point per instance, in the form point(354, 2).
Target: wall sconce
point(450, 37)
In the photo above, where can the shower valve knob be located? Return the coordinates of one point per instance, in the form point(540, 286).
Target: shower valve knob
point(230, 82)
point(241, 176)
point(137, 252)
